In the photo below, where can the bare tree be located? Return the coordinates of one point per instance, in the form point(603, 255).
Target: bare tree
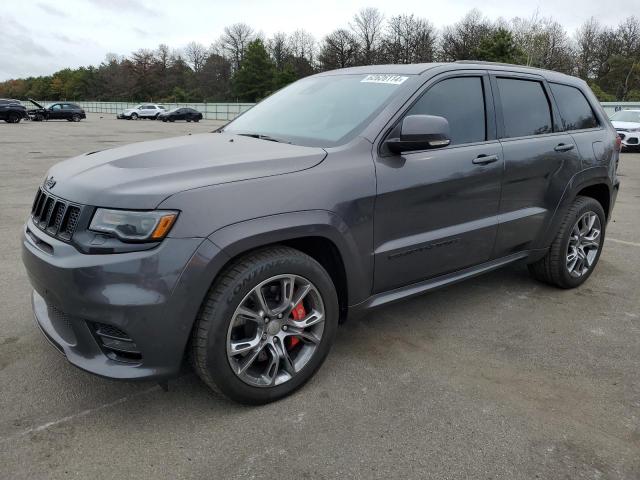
point(302, 45)
point(196, 54)
point(587, 43)
point(628, 33)
point(279, 48)
point(339, 50)
point(163, 56)
point(461, 40)
point(367, 28)
point(234, 41)
point(544, 42)
point(409, 39)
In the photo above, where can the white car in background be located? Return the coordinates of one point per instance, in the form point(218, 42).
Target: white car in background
point(144, 110)
point(627, 124)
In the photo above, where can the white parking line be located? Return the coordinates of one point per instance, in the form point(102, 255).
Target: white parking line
point(83, 413)
point(623, 242)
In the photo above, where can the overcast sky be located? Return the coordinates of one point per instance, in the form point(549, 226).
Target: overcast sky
point(42, 36)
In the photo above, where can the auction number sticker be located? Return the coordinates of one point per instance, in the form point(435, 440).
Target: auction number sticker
point(388, 79)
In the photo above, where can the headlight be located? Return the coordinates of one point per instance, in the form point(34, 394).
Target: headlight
point(633, 130)
point(134, 226)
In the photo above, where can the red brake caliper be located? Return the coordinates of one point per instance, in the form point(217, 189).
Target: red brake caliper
point(298, 313)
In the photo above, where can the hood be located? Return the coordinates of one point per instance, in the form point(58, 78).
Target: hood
point(141, 175)
point(36, 103)
point(626, 125)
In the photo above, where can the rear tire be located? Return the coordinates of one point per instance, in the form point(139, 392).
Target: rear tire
point(215, 328)
point(13, 118)
point(558, 267)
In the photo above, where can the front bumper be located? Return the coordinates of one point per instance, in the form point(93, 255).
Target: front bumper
point(629, 139)
point(153, 296)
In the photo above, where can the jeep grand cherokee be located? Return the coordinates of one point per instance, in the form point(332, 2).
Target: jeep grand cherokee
point(242, 249)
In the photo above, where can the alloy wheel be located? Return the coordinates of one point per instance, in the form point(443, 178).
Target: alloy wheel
point(275, 330)
point(584, 244)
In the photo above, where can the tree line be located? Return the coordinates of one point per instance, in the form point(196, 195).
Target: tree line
point(244, 65)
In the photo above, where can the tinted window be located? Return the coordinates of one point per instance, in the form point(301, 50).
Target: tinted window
point(525, 107)
point(461, 102)
point(57, 106)
point(574, 107)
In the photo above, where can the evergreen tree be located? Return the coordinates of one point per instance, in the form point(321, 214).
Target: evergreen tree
point(499, 46)
point(254, 79)
point(284, 77)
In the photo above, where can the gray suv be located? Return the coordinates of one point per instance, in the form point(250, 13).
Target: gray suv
point(241, 250)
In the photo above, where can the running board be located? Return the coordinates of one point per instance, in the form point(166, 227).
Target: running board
point(414, 289)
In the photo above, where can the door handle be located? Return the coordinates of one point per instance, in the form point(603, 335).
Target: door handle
point(564, 147)
point(485, 159)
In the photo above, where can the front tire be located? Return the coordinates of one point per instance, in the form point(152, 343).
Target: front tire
point(266, 326)
point(134, 116)
point(575, 251)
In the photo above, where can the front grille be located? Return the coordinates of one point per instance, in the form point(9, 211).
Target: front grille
point(55, 216)
point(632, 141)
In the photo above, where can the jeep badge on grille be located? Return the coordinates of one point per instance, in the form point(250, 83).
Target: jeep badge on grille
point(50, 182)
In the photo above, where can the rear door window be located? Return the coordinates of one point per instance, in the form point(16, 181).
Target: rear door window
point(461, 101)
point(575, 110)
point(525, 107)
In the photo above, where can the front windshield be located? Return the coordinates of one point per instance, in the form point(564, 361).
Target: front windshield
point(319, 111)
point(626, 116)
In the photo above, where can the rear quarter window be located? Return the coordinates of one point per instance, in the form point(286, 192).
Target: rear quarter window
point(575, 109)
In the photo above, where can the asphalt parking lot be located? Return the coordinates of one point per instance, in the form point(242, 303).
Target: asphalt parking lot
point(496, 377)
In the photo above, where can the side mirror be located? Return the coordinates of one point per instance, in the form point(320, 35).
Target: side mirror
point(420, 132)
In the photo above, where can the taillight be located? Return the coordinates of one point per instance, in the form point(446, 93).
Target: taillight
point(618, 142)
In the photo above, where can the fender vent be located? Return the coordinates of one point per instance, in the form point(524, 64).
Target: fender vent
point(116, 344)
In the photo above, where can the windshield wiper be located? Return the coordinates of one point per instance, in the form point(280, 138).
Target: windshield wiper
point(263, 137)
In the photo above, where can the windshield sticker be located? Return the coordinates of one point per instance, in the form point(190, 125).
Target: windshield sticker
point(388, 79)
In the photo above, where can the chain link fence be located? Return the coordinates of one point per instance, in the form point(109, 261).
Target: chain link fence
point(229, 111)
point(211, 111)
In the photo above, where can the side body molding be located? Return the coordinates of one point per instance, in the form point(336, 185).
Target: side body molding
point(243, 236)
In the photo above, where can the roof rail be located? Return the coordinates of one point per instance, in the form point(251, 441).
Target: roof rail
point(500, 64)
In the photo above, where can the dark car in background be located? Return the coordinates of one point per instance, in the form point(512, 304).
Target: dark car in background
point(12, 111)
point(181, 113)
point(57, 111)
point(243, 248)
